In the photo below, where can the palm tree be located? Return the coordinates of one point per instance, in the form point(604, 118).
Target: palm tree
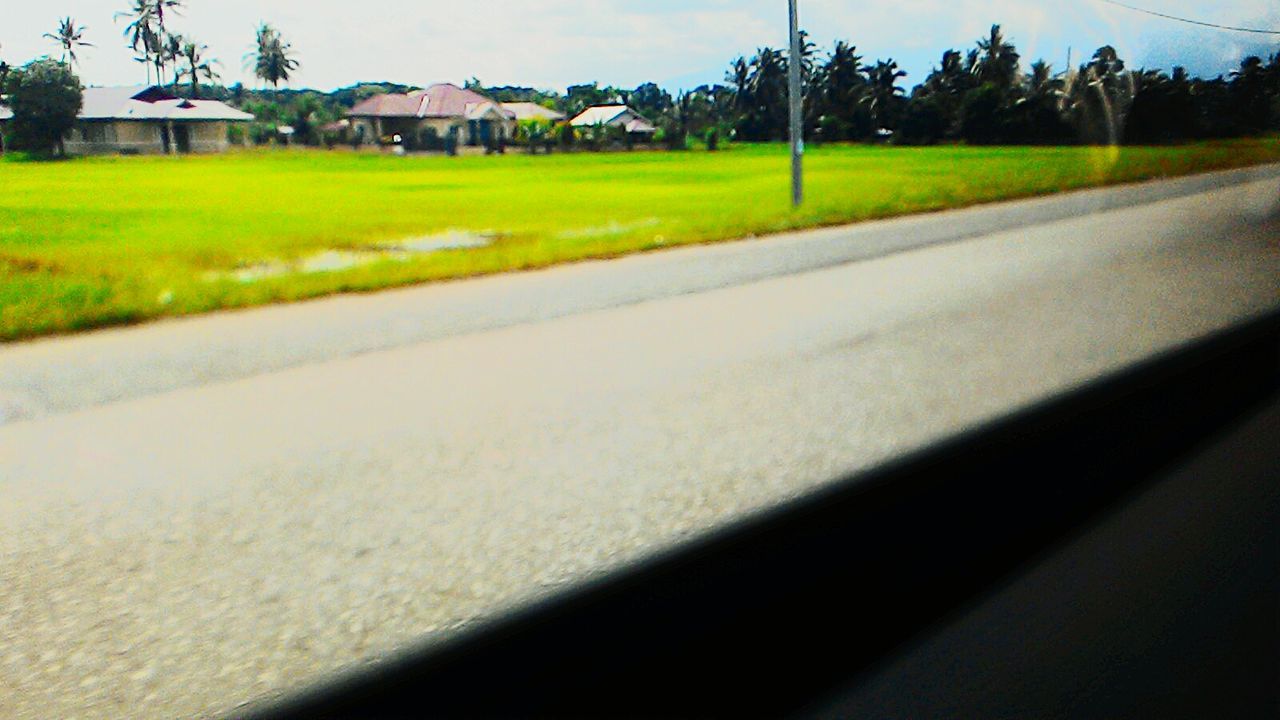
point(196, 65)
point(739, 76)
point(141, 31)
point(4, 74)
point(883, 91)
point(761, 97)
point(946, 86)
point(1101, 94)
point(842, 85)
point(148, 34)
point(272, 60)
point(1251, 101)
point(1043, 84)
point(171, 45)
point(997, 60)
point(69, 37)
point(171, 54)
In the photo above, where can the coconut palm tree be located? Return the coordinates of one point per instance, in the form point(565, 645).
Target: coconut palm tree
point(1043, 84)
point(171, 54)
point(69, 37)
point(739, 76)
point(1100, 96)
point(148, 33)
point(761, 97)
point(997, 60)
point(5, 69)
point(141, 31)
point(195, 65)
point(272, 59)
point(883, 92)
point(838, 89)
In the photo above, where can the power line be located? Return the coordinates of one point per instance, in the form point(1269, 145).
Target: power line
point(1191, 22)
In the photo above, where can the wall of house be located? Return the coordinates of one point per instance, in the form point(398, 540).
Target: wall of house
point(371, 129)
point(209, 137)
point(363, 128)
point(105, 138)
point(141, 138)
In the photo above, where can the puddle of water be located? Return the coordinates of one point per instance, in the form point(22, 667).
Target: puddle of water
point(335, 260)
point(452, 240)
point(612, 228)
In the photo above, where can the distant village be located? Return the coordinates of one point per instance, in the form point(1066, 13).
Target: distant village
point(441, 118)
point(982, 96)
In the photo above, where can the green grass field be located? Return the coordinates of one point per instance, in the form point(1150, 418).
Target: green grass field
point(95, 242)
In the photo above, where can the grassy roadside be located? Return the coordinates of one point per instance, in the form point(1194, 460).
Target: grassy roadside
point(95, 242)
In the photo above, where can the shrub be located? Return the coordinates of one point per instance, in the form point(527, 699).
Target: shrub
point(617, 136)
point(533, 132)
point(567, 136)
point(45, 97)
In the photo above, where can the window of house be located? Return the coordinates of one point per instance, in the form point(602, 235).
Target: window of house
point(93, 133)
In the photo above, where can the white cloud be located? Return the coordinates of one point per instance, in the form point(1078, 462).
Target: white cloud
point(553, 43)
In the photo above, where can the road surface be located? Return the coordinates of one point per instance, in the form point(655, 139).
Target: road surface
point(202, 513)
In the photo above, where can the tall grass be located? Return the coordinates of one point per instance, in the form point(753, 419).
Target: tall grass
point(101, 241)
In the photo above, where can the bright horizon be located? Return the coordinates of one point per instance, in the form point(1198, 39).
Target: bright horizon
point(679, 45)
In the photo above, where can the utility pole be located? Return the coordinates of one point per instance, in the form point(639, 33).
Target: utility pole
point(796, 101)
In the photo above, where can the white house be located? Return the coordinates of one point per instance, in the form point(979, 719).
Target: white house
point(533, 111)
point(614, 116)
point(147, 120)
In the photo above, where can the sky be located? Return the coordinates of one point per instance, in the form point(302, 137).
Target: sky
point(677, 43)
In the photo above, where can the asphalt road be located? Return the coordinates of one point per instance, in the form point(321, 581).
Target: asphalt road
point(202, 513)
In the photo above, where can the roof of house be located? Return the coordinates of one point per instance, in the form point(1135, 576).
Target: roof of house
point(642, 126)
point(613, 114)
point(598, 115)
point(147, 103)
point(153, 103)
point(386, 105)
point(438, 101)
point(532, 111)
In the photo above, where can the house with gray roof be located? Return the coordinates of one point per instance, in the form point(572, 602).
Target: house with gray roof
point(147, 120)
point(533, 111)
point(615, 116)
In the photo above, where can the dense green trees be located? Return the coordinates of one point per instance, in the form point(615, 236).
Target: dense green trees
point(45, 97)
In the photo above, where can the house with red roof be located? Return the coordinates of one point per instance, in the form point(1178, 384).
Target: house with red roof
point(439, 112)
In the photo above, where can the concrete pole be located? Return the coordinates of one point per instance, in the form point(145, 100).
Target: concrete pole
point(796, 100)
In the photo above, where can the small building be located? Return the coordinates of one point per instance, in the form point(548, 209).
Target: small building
point(147, 120)
point(439, 111)
point(533, 111)
point(615, 116)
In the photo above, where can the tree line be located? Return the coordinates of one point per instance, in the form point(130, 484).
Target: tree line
point(982, 95)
